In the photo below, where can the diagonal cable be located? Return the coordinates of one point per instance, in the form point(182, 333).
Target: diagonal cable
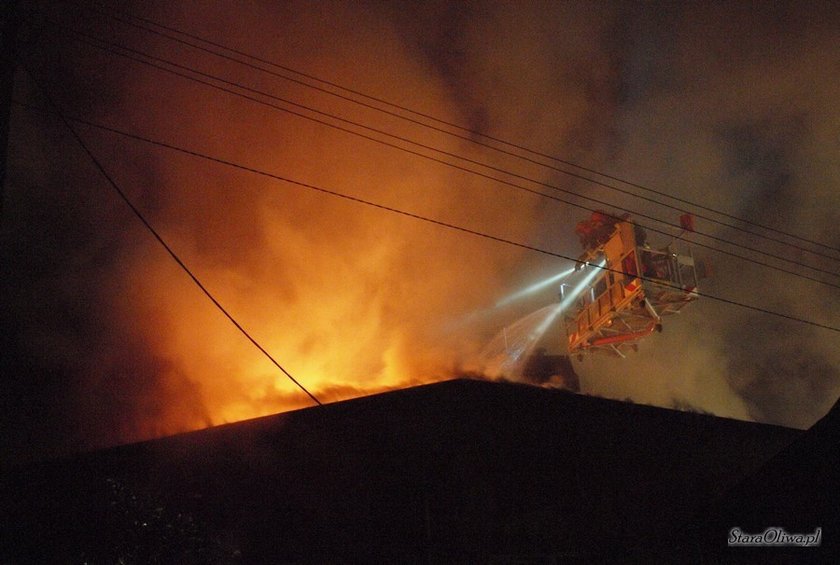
point(472, 136)
point(445, 153)
point(66, 121)
point(448, 225)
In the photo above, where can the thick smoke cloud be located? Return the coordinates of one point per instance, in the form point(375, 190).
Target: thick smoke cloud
point(740, 118)
point(729, 106)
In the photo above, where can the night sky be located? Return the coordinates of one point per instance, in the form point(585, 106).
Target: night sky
point(729, 105)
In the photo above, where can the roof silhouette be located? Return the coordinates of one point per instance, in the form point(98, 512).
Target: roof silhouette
point(458, 471)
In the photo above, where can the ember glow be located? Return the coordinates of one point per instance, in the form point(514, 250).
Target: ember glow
point(352, 299)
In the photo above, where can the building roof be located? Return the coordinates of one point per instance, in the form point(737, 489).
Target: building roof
point(463, 470)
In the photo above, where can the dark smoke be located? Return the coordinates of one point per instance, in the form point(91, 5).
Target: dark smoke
point(728, 104)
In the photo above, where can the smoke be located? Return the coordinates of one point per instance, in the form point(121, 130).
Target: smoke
point(730, 106)
point(737, 115)
point(349, 299)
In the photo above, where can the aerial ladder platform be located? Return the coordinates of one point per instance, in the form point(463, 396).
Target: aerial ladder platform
point(637, 287)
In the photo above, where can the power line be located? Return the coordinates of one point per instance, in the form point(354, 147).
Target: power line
point(66, 121)
point(448, 154)
point(416, 216)
point(473, 134)
point(568, 173)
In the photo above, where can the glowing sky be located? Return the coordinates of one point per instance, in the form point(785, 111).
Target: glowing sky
point(731, 105)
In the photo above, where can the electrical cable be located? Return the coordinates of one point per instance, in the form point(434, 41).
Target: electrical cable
point(473, 134)
point(448, 154)
point(448, 225)
point(124, 197)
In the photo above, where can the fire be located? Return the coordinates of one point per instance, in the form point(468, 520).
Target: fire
point(354, 300)
point(349, 301)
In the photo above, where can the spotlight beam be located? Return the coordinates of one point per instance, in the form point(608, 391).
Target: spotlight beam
point(534, 288)
point(540, 330)
point(575, 292)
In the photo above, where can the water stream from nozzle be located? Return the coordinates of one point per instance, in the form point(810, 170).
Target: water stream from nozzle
point(508, 352)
